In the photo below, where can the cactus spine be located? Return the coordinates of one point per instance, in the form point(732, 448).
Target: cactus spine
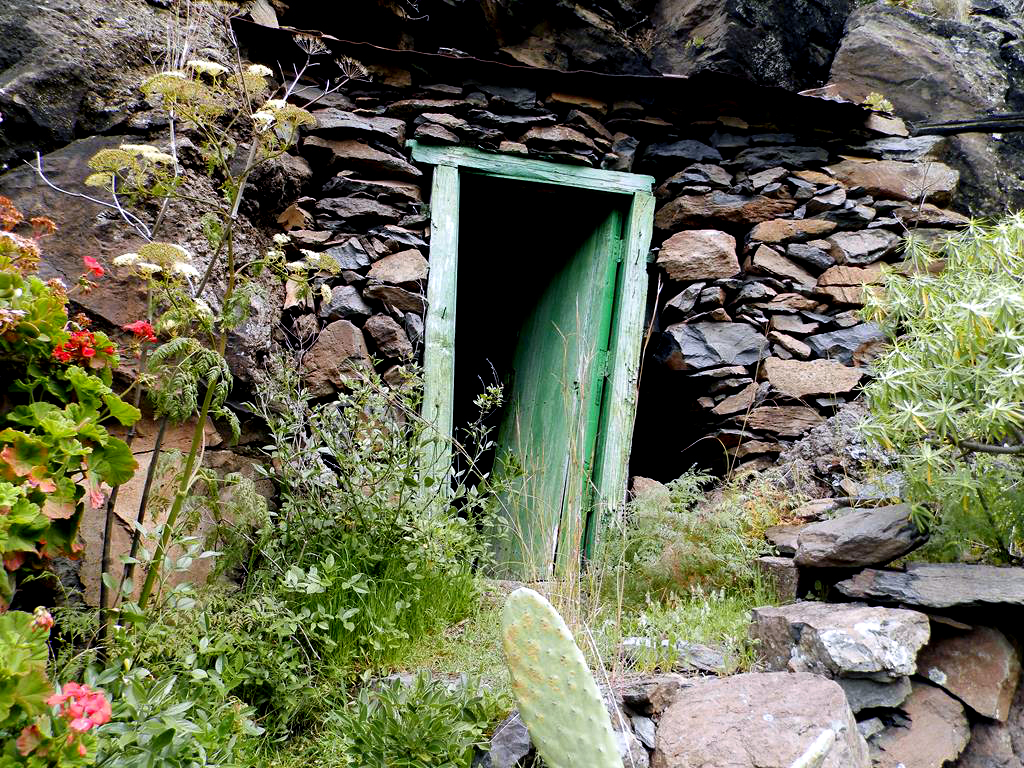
point(558, 698)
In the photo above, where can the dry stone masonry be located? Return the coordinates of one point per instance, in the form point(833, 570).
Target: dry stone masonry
point(768, 232)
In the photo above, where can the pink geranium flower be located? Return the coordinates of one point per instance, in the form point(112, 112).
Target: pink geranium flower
point(83, 707)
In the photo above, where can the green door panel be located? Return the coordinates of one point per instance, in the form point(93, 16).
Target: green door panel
point(550, 428)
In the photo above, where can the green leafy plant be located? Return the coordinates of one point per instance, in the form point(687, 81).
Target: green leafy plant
point(948, 396)
point(422, 723)
point(367, 551)
point(672, 541)
point(57, 456)
point(878, 103)
point(161, 721)
point(41, 728)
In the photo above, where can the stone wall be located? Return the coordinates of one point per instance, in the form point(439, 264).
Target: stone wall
point(767, 229)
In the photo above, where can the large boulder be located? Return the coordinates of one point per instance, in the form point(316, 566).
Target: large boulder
point(757, 720)
point(935, 68)
point(71, 68)
point(842, 640)
point(772, 43)
point(855, 538)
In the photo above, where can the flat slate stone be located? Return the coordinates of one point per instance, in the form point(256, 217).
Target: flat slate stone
point(858, 538)
point(685, 150)
point(707, 345)
point(940, 585)
point(871, 694)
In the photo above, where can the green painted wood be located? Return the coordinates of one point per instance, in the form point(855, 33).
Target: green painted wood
point(551, 422)
point(619, 406)
point(525, 169)
point(439, 327)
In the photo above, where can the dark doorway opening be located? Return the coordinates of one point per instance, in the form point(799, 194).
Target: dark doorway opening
point(513, 238)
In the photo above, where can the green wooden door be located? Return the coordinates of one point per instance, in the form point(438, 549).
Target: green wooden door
point(551, 423)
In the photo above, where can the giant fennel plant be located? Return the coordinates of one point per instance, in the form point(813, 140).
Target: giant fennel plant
point(948, 396)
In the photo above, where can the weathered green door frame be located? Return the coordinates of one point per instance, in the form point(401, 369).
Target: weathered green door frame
point(618, 407)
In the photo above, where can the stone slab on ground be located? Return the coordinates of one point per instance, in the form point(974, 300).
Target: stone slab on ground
point(940, 585)
point(840, 640)
point(757, 720)
point(858, 538)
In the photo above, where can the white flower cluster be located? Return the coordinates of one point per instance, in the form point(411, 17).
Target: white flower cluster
point(259, 70)
point(172, 259)
point(203, 67)
point(148, 152)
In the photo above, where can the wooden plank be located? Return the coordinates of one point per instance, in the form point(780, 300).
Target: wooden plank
point(551, 425)
point(619, 410)
point(439, 327)
point(525, 169)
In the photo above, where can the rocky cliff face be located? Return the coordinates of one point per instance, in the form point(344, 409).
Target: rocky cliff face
point(788, 44)
point(935, 64)
point(71, 69)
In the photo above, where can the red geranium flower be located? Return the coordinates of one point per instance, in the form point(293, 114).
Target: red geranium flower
point(81, 345)
point(143, 331)
point(92, 266)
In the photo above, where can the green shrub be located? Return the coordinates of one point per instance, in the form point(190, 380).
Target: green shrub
point(365, 551)
point(421, 724)
point(673, 541)
point(948, 397)
point(40, 727)
point(56, 455)
point(167, 722)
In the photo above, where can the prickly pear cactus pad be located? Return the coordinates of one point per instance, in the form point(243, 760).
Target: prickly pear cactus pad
point(558, 698)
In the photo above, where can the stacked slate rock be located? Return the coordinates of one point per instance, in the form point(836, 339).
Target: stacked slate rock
point(765, 237)
point(768, 247)
point(928, 655)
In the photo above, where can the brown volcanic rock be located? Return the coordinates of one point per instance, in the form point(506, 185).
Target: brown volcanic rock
point(799, 379)
point(893, 179)
point(768, 261)
point(701, 210)
point(698, 254)
point(400, 268)
point(936, 732)
point(980, 666)
point(331, 361)
point(780, 230)
point(785, 420)
point(757, 720)
point(997, 745)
